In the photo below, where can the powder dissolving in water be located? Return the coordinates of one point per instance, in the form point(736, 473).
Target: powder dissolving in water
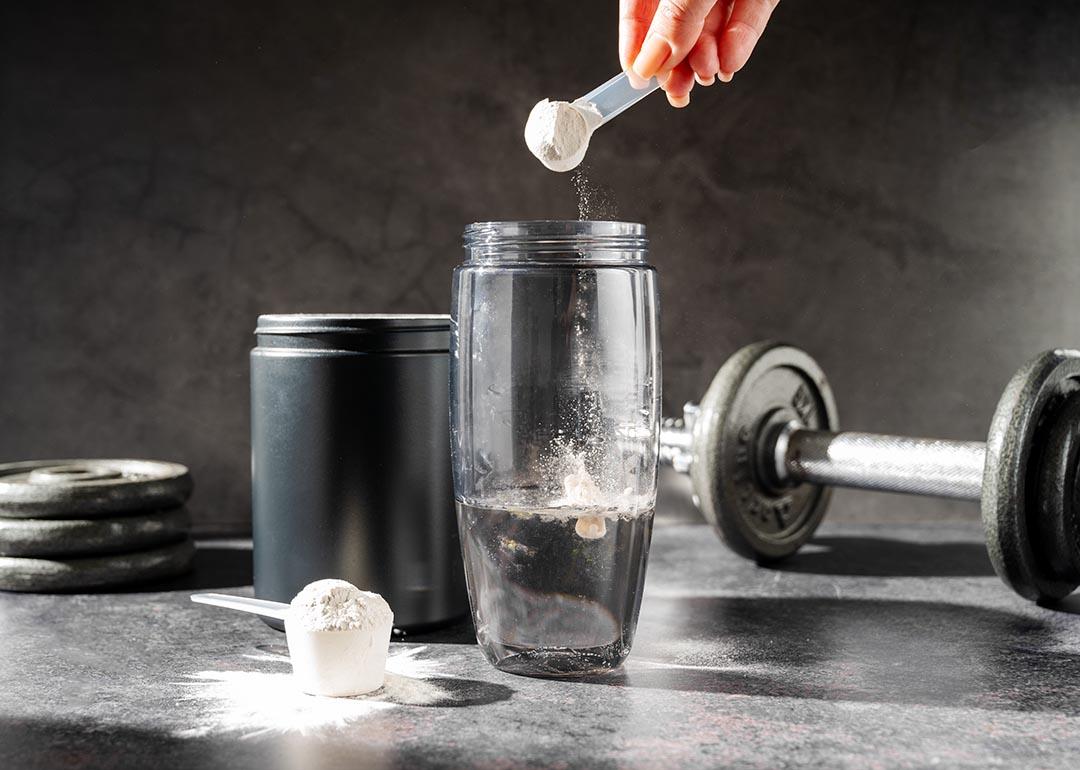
point(557, 587)
point(582, 493)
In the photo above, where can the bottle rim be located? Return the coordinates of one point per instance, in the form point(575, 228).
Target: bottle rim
point(556, 240)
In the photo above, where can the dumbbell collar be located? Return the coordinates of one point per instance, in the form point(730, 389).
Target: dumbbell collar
point(677, 439)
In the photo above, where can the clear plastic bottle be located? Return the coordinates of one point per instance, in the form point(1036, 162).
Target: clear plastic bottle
point(555, 403)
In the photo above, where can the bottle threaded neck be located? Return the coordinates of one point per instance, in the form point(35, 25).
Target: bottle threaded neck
point(556, 241)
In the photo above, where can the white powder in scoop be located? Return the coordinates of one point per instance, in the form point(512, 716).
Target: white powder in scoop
point(557, 133)
point(336, 605)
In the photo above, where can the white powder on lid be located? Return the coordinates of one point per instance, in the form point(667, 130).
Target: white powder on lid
point(558, 133)
point(337, 605)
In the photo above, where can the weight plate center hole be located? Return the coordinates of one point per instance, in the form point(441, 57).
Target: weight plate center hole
point(71, 474)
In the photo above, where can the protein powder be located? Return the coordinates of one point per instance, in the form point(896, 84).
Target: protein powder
point(338, 638)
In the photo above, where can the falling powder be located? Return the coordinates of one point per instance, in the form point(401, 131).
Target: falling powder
point(595, 201)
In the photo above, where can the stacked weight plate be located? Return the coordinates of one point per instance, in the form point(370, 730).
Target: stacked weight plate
point(76, 524)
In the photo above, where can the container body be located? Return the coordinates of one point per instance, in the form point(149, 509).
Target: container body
point(350, 461)
point(555, 401)
point(338, 663)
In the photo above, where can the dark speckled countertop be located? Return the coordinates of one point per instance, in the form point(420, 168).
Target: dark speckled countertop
point(876, 647)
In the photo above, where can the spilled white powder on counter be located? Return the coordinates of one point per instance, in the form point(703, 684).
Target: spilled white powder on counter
point(337, 605)
point(254, 703)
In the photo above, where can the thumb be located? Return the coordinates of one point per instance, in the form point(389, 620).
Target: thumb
point(675, 29)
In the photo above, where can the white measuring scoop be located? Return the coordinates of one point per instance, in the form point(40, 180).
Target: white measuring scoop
point(558, 133)
point(262, 607)
point(338, 663)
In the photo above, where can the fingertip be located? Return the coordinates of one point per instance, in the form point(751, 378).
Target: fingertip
point(636, 82)
point(678, 85)
point(736, 45)
point(632, 30)
point(678, 101)
point(704, 59)
point(724, 77)
point(654, 54)
point(626, 58)
point(704, 81)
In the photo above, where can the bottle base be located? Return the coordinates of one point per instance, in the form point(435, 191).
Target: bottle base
point(560, 662)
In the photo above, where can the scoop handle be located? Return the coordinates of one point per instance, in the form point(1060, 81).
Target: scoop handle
point(263, 607)
point(616, 96)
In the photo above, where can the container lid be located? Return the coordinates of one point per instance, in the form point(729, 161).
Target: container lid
point(355, 332)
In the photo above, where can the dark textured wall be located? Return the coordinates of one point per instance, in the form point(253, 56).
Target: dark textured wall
point(893, 185)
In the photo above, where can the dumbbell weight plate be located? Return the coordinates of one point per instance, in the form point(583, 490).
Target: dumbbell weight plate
point(761, 385)
point(1028, 410)
point(84, 537)
point(1058, 523)
point(68, 489)
point(47, 575)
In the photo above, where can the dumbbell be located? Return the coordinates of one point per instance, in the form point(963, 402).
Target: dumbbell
point(763, 453)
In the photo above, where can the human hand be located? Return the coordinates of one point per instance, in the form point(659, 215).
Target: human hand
point(683, 41)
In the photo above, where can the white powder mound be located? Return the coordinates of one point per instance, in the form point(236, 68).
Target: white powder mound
point(337, 605)
point(557, 133)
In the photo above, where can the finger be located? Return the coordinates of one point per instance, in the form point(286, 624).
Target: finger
point(675, 28)
point(743, 30)
point(679, 84)
point(704, 58)
point(635, 16)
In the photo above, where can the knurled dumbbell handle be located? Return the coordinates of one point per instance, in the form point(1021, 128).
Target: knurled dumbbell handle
point(913, 466)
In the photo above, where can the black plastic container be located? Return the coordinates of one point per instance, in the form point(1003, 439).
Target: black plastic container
point(350, 450)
